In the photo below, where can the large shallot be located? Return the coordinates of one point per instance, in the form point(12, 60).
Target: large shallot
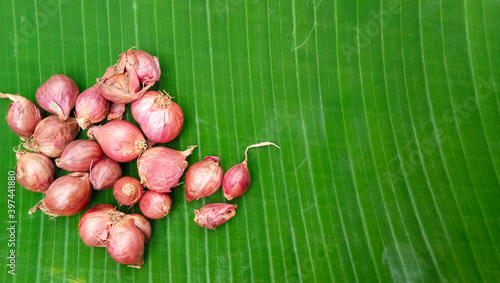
point(58, 95)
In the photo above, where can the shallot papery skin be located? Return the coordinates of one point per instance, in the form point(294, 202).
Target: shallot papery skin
point(22, 116)
point(80, 155)
point(34, 171)
point(126, 243)
point(120, 140)
point(128, 191)
point(116, 111)
point(104, 174)
point(95, 223)
point(203, 178)
point(142, 223)
point(58, 95)
point(67, 195)
point(160, 168)
point(120, 85)
point(146, 66)
point(160, 118)
point(214, 214)
point(91, 107)
point(237, 179)
point(155, 205)
point(52, 135)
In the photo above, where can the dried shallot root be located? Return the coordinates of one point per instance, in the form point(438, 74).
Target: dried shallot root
point(34, 171)
point(161, 168)
point(160, 118)
point(116, 111)
point(79, 155)
point(22, 116)
point(52, 135)
point(124, 235)
point(67, 195)
point(120, 140)
point(58, 95)
point(128, 191)
point(155, 205)
point(237, 179)
point(214, 214)
point(91, 107)
point(104, 174)
point(203, 178)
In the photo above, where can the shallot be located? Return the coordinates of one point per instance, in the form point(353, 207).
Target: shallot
point(104, 174)
point(79, 155)
point(52, 135)
point(146, 66)
point(203, 178)
point(67, 195)
point(128, 191)
point(155, 205)
point(95, 223)
point(126, 242)
point(160, 168)
point(120, 85)
point(116, 111)
point(214, 214)
point(120, 140)
point(237, 179)
point(34, 171)
point(142, 223)
point(91, 107)
point(160, 118)
point(22, 116)
point(58, 95)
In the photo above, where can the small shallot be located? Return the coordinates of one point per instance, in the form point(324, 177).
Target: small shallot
point(142, 223)
point(120, 140)
point(91, 107)
point(22, 116)
point(67, 195)
point(146, 66)
point(120, 85)
point(58, 95)
point(95, 223)
point(214, 214)
point(155, 205)
point(79, 155)
point(128, 191)
point(104, 174)
point(161, 168)
point(52, 135)
point(203, 178)
point(237, 179)
point(34, 171)
point(116, 111)
point(160, 118)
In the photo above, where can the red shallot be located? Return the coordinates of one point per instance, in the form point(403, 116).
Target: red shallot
point(120, 85)
point(160, 168)
point(155, 205)
point(142, 223)
point(34, 171)
point(22, 116)
point(126, 242)
point(58, 95)
point(146, 66)
point(95, 223)
point(214, 214)
point(91, 107)
point(128, 191)
point(116, 111)
point(120, 140)
point(67, 195)
point(160, 118)
point(52, 135)
point(203, 178)
point(80, 155)
point(237, 179)
point(104, 174)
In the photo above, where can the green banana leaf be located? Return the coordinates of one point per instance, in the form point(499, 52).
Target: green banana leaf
point(387, 114)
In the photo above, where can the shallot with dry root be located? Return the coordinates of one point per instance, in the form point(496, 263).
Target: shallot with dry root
point(214, 214)
point(58, 95)
point(155, 205)
point(104, 174)
point(67, 195)
point(79, 155)
point(128, 191)
point(23, 116)
point(34, 171)
point(237, 179)
point(203, 178)
point(52, 135)
point(160, 168)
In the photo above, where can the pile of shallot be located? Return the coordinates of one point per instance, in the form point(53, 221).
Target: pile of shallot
point(94, 163)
